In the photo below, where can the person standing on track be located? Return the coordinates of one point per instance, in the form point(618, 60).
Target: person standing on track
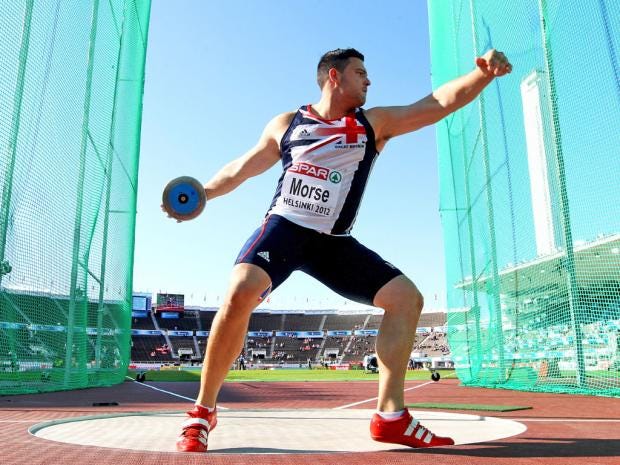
point(327, 151)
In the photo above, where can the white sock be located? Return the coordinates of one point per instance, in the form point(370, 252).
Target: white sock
point(210, 409)
point(390, 415)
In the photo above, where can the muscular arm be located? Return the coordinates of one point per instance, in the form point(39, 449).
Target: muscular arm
point(255, 161)
point(389, 122)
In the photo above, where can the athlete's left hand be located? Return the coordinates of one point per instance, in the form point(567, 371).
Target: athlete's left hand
point(494, 63)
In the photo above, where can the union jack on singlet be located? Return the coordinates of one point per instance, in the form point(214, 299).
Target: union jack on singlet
point(326, 164)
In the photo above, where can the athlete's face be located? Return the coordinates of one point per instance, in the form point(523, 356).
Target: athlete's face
point(354, 81)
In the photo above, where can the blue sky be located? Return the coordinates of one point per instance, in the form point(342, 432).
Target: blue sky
point(216, 73)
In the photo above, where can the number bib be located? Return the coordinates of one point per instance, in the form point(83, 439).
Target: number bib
point(311, 189)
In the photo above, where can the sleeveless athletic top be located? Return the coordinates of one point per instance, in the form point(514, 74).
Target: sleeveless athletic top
point(326, 164)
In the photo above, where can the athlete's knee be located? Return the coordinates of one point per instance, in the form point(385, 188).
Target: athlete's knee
point(400, 295)
point(248, 285)
point(414, 297)
point(417, 301)
point(241, 298)
point(411, 300)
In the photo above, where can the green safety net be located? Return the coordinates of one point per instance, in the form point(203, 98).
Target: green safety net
point(529, 194)
point(71, 83)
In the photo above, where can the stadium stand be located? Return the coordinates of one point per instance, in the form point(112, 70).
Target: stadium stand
point(297, 349)
point(432, 344)
point(360, 346)
point(348, 347)
point(142, 323)
point(188, 322)
point(266, 322)
point(150, 349)
point(337, 342)
point(301, 322)
point(344, 322)
point(205, 318)
point(374, 321)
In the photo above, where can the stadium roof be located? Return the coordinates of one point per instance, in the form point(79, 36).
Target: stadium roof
point(597, 265)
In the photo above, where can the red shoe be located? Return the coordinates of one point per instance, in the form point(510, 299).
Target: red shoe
point(196, 428)
point(405, 430)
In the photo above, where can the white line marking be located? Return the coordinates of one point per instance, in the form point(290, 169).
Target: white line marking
point(169, 392)
point(375, 398)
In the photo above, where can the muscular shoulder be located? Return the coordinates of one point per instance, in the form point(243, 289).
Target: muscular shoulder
point(284, 118)
point(273, 132)
point(376, 118)
point(278, 125)
point(389, 122)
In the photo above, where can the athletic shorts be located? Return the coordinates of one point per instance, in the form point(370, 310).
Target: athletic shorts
point(344, 265)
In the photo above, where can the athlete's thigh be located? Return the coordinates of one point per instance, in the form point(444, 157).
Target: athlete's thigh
point(248, 280)
point(277, 247)
point(350, 268)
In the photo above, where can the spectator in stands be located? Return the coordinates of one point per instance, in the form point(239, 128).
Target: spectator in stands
point(318, 240)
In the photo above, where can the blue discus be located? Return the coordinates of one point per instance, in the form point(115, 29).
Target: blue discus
point(184, 198)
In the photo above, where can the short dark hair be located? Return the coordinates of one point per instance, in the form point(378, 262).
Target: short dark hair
point(338, 59)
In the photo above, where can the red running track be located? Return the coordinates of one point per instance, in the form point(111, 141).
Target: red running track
point(562, 429)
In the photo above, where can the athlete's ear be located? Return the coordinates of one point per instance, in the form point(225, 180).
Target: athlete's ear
point(333, 75)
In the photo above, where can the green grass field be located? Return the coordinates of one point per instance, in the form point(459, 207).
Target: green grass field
point(287, 375)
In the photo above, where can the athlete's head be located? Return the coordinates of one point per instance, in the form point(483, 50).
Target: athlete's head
point(344, 70)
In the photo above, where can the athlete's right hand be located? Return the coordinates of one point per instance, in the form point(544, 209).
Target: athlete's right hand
point(184, 198)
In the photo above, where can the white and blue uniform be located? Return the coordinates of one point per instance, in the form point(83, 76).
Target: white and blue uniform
point(326, 164)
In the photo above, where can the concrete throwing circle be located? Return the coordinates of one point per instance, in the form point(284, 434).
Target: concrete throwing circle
point(266, 431)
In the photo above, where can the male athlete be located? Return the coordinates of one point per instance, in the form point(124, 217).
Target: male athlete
point(327, 151)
